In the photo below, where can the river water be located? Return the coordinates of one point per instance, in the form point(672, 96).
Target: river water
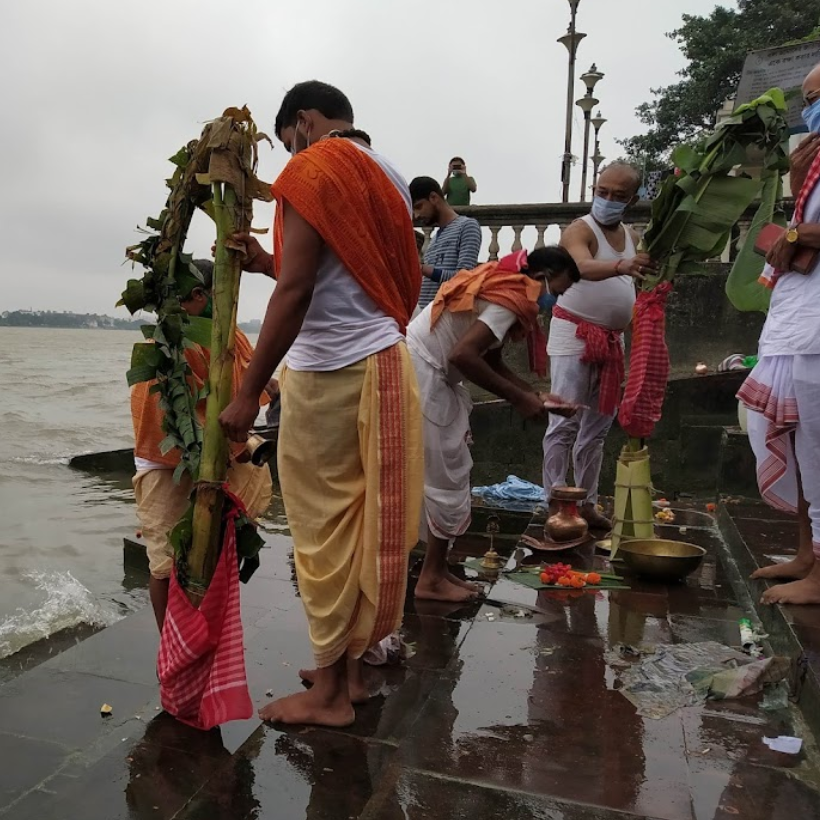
point(62, 393)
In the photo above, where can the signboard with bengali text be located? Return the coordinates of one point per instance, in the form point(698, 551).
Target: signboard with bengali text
point(784, 68)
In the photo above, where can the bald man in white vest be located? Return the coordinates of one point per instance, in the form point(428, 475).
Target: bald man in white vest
point(586, 335)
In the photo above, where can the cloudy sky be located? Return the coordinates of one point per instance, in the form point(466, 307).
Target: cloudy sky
point(97, 94)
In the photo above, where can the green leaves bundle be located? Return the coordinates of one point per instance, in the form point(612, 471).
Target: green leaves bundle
point(695, 212)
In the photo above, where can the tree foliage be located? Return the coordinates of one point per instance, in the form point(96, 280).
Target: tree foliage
point(716, 47)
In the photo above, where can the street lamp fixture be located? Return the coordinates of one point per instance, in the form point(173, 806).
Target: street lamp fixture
point(590, 79)
point(597, 123)
point(570, 41)
point(586, 104)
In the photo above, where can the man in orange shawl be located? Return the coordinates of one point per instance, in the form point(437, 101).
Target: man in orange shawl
point(161, 502)
point(350, 448)
point(461, 335)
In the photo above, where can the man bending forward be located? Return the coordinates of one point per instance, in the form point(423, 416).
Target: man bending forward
point(460, 335)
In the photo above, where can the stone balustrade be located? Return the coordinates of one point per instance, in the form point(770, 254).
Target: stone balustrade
point(512, 227)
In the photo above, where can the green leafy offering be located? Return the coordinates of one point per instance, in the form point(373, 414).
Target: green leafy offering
point(226, 153)
point(695, 212)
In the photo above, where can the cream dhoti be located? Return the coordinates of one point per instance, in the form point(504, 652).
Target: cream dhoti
point(447, 460)
point(351, 474)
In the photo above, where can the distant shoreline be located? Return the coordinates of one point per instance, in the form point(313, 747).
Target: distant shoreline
point(86, 321)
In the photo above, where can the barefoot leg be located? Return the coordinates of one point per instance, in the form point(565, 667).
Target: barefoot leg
point(355, 681)
point(801, 565)
point(464, 584)
point(158, 590)
point(805, 591)
point(357, 688)
point(433, 583)
point(326, 703)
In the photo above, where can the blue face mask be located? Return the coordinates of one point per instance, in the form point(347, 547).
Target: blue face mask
point(811, 116)
point(606, 211)
point(546, 301)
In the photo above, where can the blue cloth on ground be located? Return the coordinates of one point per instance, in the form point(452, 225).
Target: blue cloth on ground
point(512, 494)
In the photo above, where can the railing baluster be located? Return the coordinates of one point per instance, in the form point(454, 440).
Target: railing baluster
point(516, 245)
point(494, 246)
point(542, 229)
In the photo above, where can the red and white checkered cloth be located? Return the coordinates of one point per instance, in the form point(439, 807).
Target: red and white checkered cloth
point(770, 276)
point(201, 663)
point(648, 364)
point(604, 348)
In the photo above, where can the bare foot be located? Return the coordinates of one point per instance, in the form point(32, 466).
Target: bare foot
point(309, 708)
point(441, 589)
point(791, 570)
point(459, 582)
point(806, 591)
point(356, 688)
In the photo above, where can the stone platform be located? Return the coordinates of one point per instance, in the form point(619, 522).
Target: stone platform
point(506, 717)
point(757, 536)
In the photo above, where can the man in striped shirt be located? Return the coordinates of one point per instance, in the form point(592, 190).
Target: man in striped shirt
point(455, 245)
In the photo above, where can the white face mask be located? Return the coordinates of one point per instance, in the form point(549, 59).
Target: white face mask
point(608, 212)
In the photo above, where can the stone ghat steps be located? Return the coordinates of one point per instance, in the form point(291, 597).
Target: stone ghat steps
point(754, 534)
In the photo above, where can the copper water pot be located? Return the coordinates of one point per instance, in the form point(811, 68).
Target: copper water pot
point(566, 524)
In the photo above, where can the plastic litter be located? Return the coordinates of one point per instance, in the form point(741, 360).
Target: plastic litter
point(388, 651)
point(775, 698)
point(751, 638)
point(659, 680)
point(513, 494)
point(784, 743)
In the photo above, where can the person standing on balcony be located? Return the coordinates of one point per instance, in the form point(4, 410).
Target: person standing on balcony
point(460, 336)
point(456, 243)
point(782, 393)
point(586, 348)
point(459, 185)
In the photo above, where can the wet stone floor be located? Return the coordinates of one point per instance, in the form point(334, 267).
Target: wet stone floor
point(492, 717)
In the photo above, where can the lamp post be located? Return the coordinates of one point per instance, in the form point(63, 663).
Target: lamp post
point(597, 159)
point(586, 104)
point(570, 40)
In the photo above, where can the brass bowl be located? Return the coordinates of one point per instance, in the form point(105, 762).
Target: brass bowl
point(661, 560)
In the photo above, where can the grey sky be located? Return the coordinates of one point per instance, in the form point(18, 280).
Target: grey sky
point(98, 94)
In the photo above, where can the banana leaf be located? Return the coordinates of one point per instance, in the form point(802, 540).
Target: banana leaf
point(742, 287)
point(692, 222)
point(696, 211)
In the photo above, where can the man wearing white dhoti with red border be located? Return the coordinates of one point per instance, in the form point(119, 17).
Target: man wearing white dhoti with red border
point(783, 392)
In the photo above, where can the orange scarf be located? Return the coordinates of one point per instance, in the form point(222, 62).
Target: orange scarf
point(492, 283)
point(147, 415)
point(363, 219)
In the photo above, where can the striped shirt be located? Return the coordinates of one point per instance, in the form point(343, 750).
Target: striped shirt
point(454, 248)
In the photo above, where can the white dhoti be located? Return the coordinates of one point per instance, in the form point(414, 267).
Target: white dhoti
point(447, 461)
point(782, 395)
point(583, 435)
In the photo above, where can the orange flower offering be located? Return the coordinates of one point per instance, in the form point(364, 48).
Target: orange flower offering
point(563, 575)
